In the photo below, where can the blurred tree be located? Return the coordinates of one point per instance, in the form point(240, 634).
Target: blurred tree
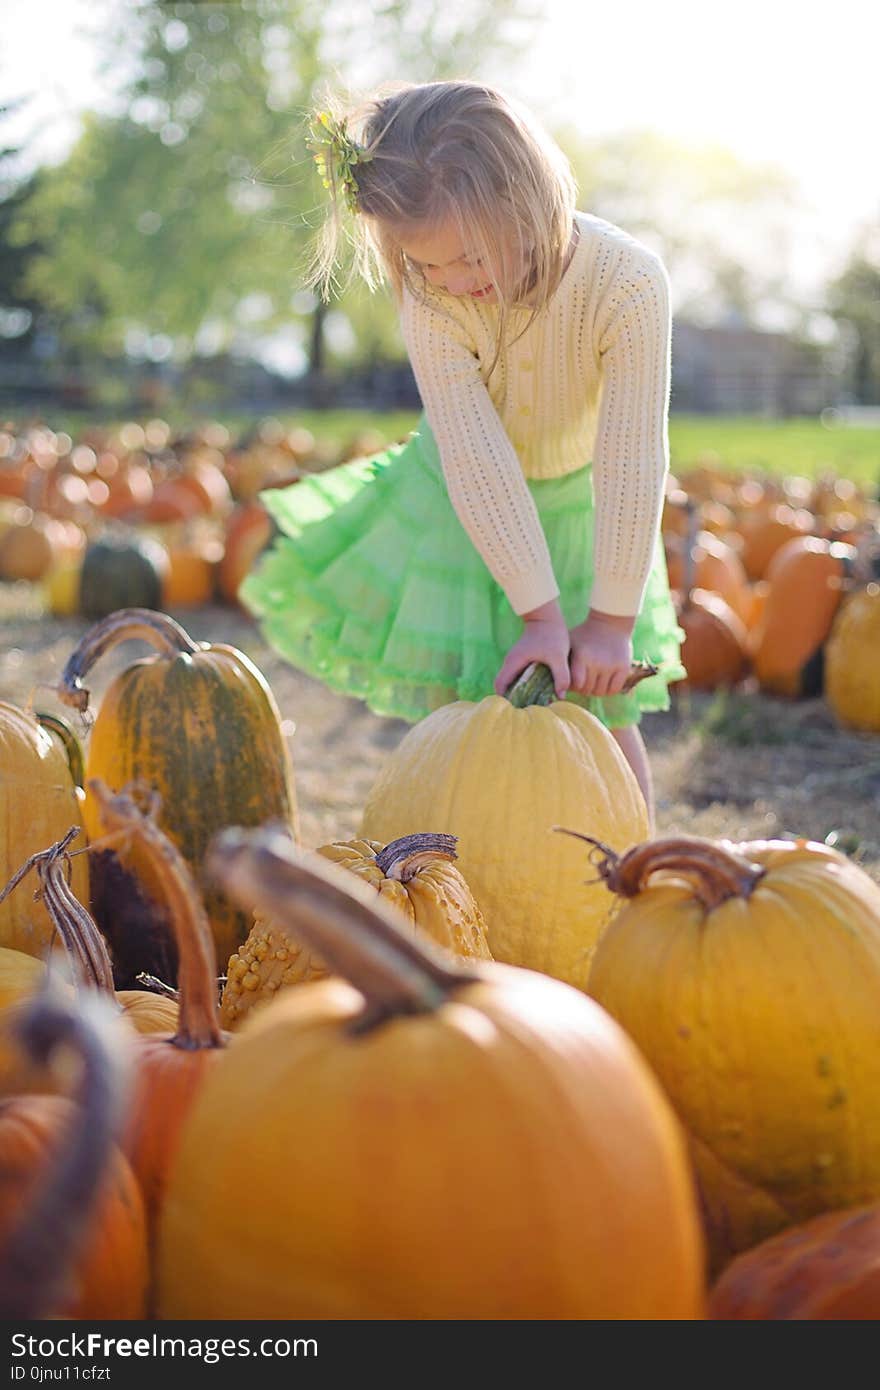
point(19, 309)
point(854, 304)
point(184, 220)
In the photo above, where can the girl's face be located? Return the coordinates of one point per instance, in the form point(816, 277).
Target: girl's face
point(449, 264)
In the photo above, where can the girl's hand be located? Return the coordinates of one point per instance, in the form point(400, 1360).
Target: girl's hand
point(544, 639)
point(601, 654)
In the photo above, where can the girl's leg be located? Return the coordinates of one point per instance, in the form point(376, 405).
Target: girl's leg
point(632, 745)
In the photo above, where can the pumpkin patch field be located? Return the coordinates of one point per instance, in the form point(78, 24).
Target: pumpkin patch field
point(335, 993)
point(736, 763)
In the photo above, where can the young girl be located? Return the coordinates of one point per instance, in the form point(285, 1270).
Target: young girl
point(520, 522)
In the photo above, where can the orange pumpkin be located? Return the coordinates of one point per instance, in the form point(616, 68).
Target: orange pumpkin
point(749, 976)
point(208, 485)
point(170, 503)
point(756, 601)
point(714, 651)
point(127, 491)
point(717, 567)
point(28, 547)
point(766, 530)
point(825, 1269)
point(192, 567)
point(718, 519)
point(806, 580)
point(15, 473)
point(72, 1227)
point(248, 532)
point(675, 519)
point(427, 1141)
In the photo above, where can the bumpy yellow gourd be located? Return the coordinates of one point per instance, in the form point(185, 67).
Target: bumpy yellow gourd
point(749, 977)
point(268, 961)
point(415, 875)
point(852, 661)
point(500, 778)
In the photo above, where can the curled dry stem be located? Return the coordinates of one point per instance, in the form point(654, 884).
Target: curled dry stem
point(74, 924)
point(34, 860)
point(161, 631)
point(715, 870)
point(83, 942)
point(338, 916)
point(401, 859)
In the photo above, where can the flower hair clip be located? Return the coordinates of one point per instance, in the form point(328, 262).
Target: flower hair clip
point(336, 156)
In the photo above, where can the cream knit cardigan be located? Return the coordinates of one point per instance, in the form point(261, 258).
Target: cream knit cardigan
point(588, 381)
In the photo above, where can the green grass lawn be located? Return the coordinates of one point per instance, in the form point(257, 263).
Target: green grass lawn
point(800, 446)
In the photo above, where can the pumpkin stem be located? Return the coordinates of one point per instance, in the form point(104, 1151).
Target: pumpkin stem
point(162, 632)
point(536, 685)
point(84, 944)
point(339, 917)
point(402, 859)
point(199, 1024)
point(38, 1254)
point(639, 671)
point(75, 925)
point(715, 871)
point(35, 859)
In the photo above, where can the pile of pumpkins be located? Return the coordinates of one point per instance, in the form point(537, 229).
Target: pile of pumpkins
point(506, 1056)
point(777, 579)
point(774, 578)
point(139, 516)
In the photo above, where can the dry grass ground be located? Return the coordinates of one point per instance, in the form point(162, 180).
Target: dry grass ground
point(740, 766)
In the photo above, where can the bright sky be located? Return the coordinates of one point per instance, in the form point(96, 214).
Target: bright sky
point(46, 55)
point(774, 80)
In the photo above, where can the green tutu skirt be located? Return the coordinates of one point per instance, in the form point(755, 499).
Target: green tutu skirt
point(374, 587)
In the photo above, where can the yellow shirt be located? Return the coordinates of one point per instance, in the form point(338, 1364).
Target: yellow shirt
point(588, 381)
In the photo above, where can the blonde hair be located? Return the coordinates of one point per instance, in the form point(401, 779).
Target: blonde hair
point(455, 152)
